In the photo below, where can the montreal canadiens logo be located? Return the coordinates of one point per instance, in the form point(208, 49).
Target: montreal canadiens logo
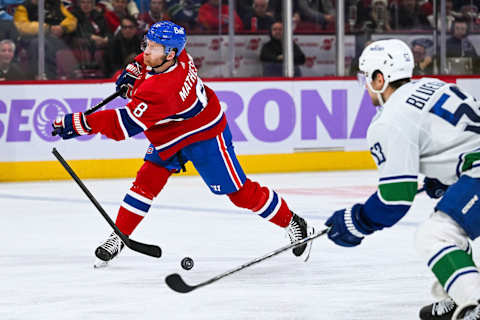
point(45, 114)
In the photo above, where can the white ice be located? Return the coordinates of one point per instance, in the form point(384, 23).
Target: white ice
point(49, 231)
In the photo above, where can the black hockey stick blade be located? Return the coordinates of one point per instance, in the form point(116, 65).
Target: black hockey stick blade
point(176, 283)
point(148, 249)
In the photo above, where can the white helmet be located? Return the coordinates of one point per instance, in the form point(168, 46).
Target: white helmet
point(393, 58)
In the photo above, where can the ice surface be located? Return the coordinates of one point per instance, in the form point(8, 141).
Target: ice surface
point(50, 230)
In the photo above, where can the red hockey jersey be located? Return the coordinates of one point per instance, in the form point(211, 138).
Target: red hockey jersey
point(173, 108)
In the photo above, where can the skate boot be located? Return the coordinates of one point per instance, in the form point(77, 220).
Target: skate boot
point(440, 310)
point(297, 230)
point(108, 250)
point(468, 312)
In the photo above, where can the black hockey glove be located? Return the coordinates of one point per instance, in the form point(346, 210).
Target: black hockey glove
point(434, 188)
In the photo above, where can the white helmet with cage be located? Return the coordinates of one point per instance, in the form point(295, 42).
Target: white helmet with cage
point(393, 58)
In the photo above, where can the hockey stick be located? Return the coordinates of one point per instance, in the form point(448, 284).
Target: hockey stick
point(103, 102)
point(176, 283)
point(122, 90)
point(148, 249)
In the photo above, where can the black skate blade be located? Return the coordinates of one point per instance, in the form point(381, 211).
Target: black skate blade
point(175, 282)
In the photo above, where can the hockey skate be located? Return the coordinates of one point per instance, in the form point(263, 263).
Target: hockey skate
point(108, 250)
point(440, 310)
point(297, 230)
point(468, 312)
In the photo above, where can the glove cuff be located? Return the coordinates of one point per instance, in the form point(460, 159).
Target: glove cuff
point(134, 69)
point(80, 124)
point(351, 225)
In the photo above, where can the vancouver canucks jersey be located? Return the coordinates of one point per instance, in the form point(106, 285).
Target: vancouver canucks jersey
point(427, 127)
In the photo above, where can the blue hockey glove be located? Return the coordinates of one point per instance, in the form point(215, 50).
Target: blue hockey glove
point(434, 188)
point(71, 125)
point(127, 79)
point(347, 228)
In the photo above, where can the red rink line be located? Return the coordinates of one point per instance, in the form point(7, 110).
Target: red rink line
point(350, 191)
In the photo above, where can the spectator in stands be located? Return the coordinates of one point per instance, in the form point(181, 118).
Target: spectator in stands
point(184, 12)
point(423, 61)
point(4, 6)
point(458, 45)
point(8, 30)
point(469, 13)
point(317, 11)
point(271, 54)
point(126, 42)
point(107, 5)
point(213, 15)
point(410, 16)
point(157, 12)
point(9, 70)
point(142, 5)
point(449, 14)
point(114, 16)
point(59, 25)
point(462, 5)
point(92, 34)
point(258, 19)
point(374, 17)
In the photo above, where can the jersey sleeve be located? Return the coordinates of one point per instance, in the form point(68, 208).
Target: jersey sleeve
point(396, 153)
point(147, 108)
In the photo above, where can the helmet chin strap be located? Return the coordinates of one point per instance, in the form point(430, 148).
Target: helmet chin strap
point(378, 92)
point(164, 61)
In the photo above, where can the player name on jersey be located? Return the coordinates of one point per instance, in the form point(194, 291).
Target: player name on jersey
point(189, 80)
point(423, 94)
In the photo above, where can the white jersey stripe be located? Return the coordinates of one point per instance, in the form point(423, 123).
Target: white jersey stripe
point(173, 141)
point(134, 210)
point(124, 130)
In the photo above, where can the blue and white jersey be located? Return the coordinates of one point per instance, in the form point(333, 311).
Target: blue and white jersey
point(427, 127)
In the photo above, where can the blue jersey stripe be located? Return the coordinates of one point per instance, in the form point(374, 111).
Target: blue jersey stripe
point(188, 135)
point(398, 178)
point(137, 204)
point(271, 207)
point(457, 276)
point(131, 126)
point(190, 113)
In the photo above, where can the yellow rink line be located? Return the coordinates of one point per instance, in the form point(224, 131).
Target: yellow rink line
point(124, 168)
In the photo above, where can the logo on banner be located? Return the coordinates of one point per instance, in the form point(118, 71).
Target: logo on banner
point(215, 44)
point(310, 61)
point(198, 61)
point(45, 113)
point(253, 44)
point(238, 60)
point(327, 44)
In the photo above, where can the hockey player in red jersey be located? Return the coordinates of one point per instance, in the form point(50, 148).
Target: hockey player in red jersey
point(183, 120)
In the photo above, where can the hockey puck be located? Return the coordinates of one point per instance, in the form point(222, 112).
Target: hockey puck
point(187, 263)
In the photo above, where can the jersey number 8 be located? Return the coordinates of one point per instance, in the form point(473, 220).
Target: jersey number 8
point(140, 109)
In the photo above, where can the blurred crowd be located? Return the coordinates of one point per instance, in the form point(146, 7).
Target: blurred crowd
point(95, 38)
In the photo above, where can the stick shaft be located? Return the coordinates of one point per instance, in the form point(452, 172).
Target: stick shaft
point(103, 102)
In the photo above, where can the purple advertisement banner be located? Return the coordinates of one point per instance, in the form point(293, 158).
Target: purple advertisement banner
point(264, 117)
